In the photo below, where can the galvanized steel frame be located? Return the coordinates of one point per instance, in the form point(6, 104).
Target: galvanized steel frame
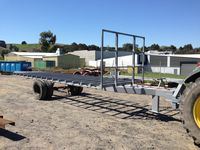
point(116, 54)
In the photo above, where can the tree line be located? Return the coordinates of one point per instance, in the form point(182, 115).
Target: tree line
point(47, 39)
point(186, 49)
point(47, 42)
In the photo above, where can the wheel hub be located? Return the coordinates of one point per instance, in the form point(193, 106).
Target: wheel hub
point(196, 111)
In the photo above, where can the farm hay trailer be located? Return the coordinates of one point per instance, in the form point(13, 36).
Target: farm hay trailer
point(186, 94)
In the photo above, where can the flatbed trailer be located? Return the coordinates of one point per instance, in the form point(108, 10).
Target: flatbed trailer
point(124, 85)
point(185, 96)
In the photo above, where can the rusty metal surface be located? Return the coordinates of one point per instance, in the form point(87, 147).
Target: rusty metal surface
point(4, 122)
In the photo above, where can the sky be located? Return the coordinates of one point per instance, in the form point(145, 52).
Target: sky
point(166, 22)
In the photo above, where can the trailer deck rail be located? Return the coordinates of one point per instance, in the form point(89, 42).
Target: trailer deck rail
point(76, 80)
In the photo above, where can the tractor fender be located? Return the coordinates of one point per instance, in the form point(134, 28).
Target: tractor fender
point(192, 77)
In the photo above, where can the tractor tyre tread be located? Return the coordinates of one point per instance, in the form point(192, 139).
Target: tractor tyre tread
point(188, 98)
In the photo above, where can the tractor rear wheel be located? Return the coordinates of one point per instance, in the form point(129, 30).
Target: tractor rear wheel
point(190, 110)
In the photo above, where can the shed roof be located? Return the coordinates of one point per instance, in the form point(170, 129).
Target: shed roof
point(34, 54)
point(38, 54)
point(175, 55)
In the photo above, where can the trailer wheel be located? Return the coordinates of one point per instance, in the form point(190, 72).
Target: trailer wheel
point(190, 110)
point(77, 73)
point(80, 89)
point(40, 90)
point(74, 90)
point(50, 89)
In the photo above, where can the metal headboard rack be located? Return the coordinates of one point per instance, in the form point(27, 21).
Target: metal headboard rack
point(134, 37)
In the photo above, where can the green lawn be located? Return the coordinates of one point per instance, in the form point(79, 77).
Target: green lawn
point(27, 47)
point(163, 75)
point(157, 75)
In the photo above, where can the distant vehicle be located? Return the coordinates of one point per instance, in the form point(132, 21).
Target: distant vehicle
point(2, 44)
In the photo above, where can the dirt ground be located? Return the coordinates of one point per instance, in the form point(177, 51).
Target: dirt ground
point(94, 120)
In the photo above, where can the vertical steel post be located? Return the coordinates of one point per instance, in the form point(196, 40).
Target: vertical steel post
point(116, 58)
point(155, 103)
point(133, 60)
point(143, 59)
point(101, 63)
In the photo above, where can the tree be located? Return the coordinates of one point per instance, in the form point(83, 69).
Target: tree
point(53, 39)
point(74, 46)
point(155, 47)
point(181, 48)
point(93, 47)
point(13, 48)
point(188, 47)
point(145, 49)
point(23, 43)
point(46, 40)
point(173, 48)
point(3, 44)
point(3, 52)
point(127, 47)
point(66, 48)
point(82, 46)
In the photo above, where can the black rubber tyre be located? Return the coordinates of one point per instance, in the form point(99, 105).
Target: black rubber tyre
point(75, 90)
point(77, 73)
point(40, 90)
point(191, 93)
point(50, 89)
point(197, 80)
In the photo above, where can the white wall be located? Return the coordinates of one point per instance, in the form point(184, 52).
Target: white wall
point(88, 55)
point(170, 70)
point(93, 63)
point(93, 55)
point(123, 61)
